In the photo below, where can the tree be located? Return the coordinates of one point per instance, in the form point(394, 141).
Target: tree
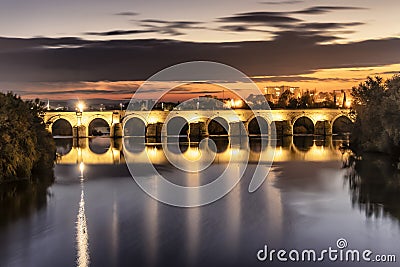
point(306, 100)
point(25, 144)
point(377, 105)
point(284, 99)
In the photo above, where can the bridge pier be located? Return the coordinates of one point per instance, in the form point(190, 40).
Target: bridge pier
point(153, 131)
point(80, 142)
point(283, 128)
point(323, 128)
point(79, 131)
point(197, 130)
point(116, 130)
point(237, 129)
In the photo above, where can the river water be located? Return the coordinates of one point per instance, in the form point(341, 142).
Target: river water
point(95, 214)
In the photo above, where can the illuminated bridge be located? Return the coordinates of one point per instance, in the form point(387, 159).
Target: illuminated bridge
point(115, 151)
point(196, 123)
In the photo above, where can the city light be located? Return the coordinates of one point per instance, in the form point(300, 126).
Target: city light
point(232, 103)
point(80, 106)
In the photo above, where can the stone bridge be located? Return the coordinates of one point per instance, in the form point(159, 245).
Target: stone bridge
point(114, 151)
point(195, 123)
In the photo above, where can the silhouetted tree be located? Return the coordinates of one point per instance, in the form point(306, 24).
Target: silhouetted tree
point(377, 105)
point(306, 100)
point(25, 144)
point(284, 99)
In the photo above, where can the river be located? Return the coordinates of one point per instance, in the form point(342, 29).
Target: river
point(95, 214)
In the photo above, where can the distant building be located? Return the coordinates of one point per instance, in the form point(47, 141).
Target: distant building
point(272, 93)
point(342, 98)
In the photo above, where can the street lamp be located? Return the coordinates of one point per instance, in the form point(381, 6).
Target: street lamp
point(80, 106)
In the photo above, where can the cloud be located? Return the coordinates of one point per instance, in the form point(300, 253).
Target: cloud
point(126, 13)
point(388, 73)
point(289, 53)
point(282, 2)
point(173, 28)
point(300, 78)
point(69, 90)
point(285, 17)
point(118, 32)
point(241, 28)
point(281, 22)
point(326, 25)
point(261, 18)
point(318, 10)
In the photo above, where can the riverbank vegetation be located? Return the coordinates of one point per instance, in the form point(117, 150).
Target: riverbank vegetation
point(377, 127)
point(27, 148)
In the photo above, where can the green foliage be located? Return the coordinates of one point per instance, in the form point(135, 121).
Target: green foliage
point(285, 98)
point(288, 100)
point(306, 100)
point(377, 105)
point(26, 146)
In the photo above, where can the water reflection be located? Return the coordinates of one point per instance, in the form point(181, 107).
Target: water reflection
point(374, 183)
point(21, 200)
point(82, 237)
point(109, 151)
point(302, 204)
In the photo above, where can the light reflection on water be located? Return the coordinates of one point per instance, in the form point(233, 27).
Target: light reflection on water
point(109, 151)
point(308, 201)
point(82, 237)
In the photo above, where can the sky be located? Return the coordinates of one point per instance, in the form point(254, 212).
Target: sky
point(56, 49)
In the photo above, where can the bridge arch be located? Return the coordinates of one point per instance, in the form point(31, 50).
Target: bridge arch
point(134, 145)
point(99, 126)
point(177, 125)
point(301, 144)
point(257, 125)
point(303, 125)
point(218, 125)
point(134, 126)
point(63, 146)
point(99, 146)
point(61, 127)
point(342, 124)
point(63, 117)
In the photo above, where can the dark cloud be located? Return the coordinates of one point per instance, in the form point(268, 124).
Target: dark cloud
point(127, 13)
point(318, 10)
point(261, 18)
point(289, 53)
point(286, 21)
point(285, 17)
point(357, 70)
point(282, 2)
point(241, 28)
point(326, 25)
point(8, 45)
point(388, 73)
point(173, 28)
point(83, 92)
point(316, 36)
point(118, 32)
point(300, 78)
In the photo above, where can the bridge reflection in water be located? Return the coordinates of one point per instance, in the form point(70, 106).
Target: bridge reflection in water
point(106, 151)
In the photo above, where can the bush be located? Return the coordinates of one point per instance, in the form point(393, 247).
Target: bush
point(25, 144)
point(377, 105)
